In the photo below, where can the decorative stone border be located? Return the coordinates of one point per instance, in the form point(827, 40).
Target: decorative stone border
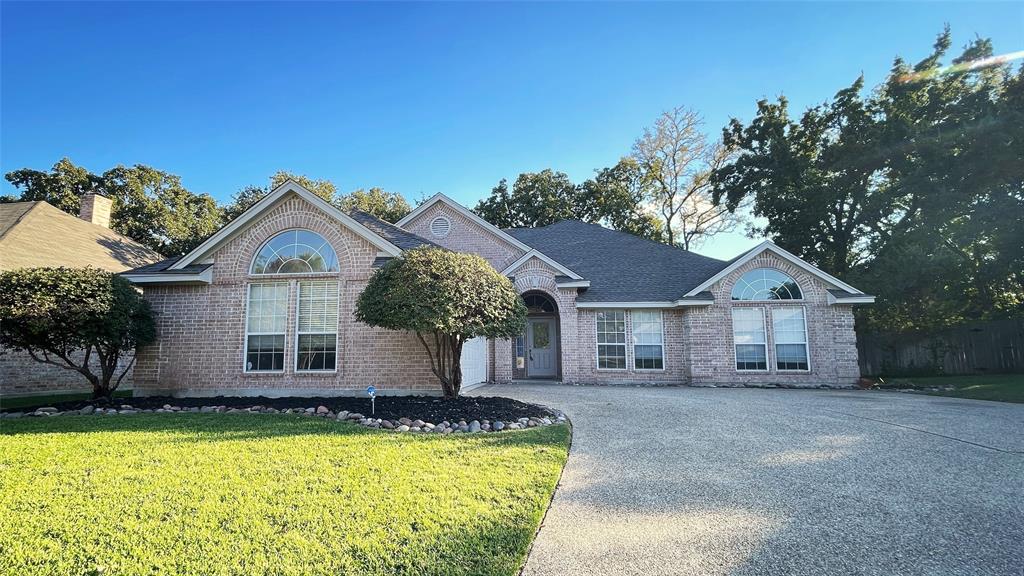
point(400, 425)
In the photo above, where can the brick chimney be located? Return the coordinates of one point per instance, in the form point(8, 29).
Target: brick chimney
point(95, 208)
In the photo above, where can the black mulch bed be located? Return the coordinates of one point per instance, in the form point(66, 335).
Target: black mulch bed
point(427, 408)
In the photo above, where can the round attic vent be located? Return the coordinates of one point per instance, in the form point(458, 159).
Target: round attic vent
point(440, 227)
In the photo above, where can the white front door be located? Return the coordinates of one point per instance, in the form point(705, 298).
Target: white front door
point(474, 361)
point(540, 344)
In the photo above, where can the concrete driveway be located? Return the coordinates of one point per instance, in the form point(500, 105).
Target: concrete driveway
point(743, 481)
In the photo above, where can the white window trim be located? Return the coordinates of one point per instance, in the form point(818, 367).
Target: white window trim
point(245, 343)
point(735, 356)
point(337, 346)
point(597, 345)
point(661, 317)
point(806, 343)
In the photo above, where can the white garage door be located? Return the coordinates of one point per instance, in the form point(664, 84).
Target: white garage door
point(474, 361)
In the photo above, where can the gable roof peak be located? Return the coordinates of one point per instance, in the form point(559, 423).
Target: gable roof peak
point(289, 186)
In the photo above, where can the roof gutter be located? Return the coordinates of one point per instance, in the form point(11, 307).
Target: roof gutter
point(681, 303)
point(851, 299)
point(204, 277)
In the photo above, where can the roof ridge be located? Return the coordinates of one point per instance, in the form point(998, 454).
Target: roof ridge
point(120, 237)
point(629, 234)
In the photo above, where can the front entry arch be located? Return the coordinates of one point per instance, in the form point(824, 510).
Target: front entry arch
point(537, 353)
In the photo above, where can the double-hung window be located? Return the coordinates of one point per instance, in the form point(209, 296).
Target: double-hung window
point(317, 330)
point(611, 339)
point(750, 338)
point(648, 340)
point(790, 330)
point(265, 327)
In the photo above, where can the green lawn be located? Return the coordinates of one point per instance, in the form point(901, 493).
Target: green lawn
point(216, 494)
point(1001, 387)
point(18, 402)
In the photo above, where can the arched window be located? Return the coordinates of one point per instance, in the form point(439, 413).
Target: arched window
point(295, 252)
point(537, 303)
point(766, 284)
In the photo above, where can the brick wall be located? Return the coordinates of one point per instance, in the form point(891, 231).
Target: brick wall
point(465, 236)
point(831, 338)
point(21, 375)
point(201, 328)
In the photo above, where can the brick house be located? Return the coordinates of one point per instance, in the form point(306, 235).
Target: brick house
point(265, 306)
point(36, 234)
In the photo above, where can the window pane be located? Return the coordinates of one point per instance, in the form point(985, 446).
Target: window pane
point(268, 308)
point(647, 340)
point(295, 252)
point(790, 338)
point(264, 352)
point(317, 351)
point(751, 357)
point(791, 356)
point(267, 316)
point(611, 339)
point(317, 326)
point(750, 338)
point(766, 284)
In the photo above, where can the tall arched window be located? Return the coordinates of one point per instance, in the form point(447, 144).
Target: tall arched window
point(295, 252)
point(766, 284)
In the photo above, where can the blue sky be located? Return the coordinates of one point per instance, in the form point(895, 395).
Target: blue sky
point(421, 98)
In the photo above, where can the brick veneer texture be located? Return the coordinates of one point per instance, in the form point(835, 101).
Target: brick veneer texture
point(21, 375)
point(202, 328)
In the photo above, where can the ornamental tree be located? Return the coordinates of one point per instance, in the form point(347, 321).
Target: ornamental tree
point(446, 298)
point(80, 319)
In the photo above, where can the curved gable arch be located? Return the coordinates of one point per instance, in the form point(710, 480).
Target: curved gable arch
point(765, 284)
point(294, 214)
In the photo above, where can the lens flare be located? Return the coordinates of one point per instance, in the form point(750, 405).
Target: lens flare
point(963, 67)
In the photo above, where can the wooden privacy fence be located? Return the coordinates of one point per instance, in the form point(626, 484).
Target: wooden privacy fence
point(984, 347)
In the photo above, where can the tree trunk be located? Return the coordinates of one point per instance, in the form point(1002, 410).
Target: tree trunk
point(445, 361)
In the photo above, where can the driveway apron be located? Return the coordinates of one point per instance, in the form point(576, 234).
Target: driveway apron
point(748, 481)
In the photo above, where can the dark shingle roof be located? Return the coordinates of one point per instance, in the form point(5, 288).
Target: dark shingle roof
point(162, 266)
point(397, 236)
point(621, 267)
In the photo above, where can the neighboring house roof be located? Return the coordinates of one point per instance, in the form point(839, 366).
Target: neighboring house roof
point(621, 267)
point(402, 238)
point(34, 234)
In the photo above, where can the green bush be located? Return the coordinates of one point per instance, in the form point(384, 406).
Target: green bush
point(446, 298)
point(69, 317)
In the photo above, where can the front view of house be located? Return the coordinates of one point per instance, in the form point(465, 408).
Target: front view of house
point(265, 306)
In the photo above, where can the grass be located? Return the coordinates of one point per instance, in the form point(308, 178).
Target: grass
point(19, 402)
point(218, 494)
point(1001, 387)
